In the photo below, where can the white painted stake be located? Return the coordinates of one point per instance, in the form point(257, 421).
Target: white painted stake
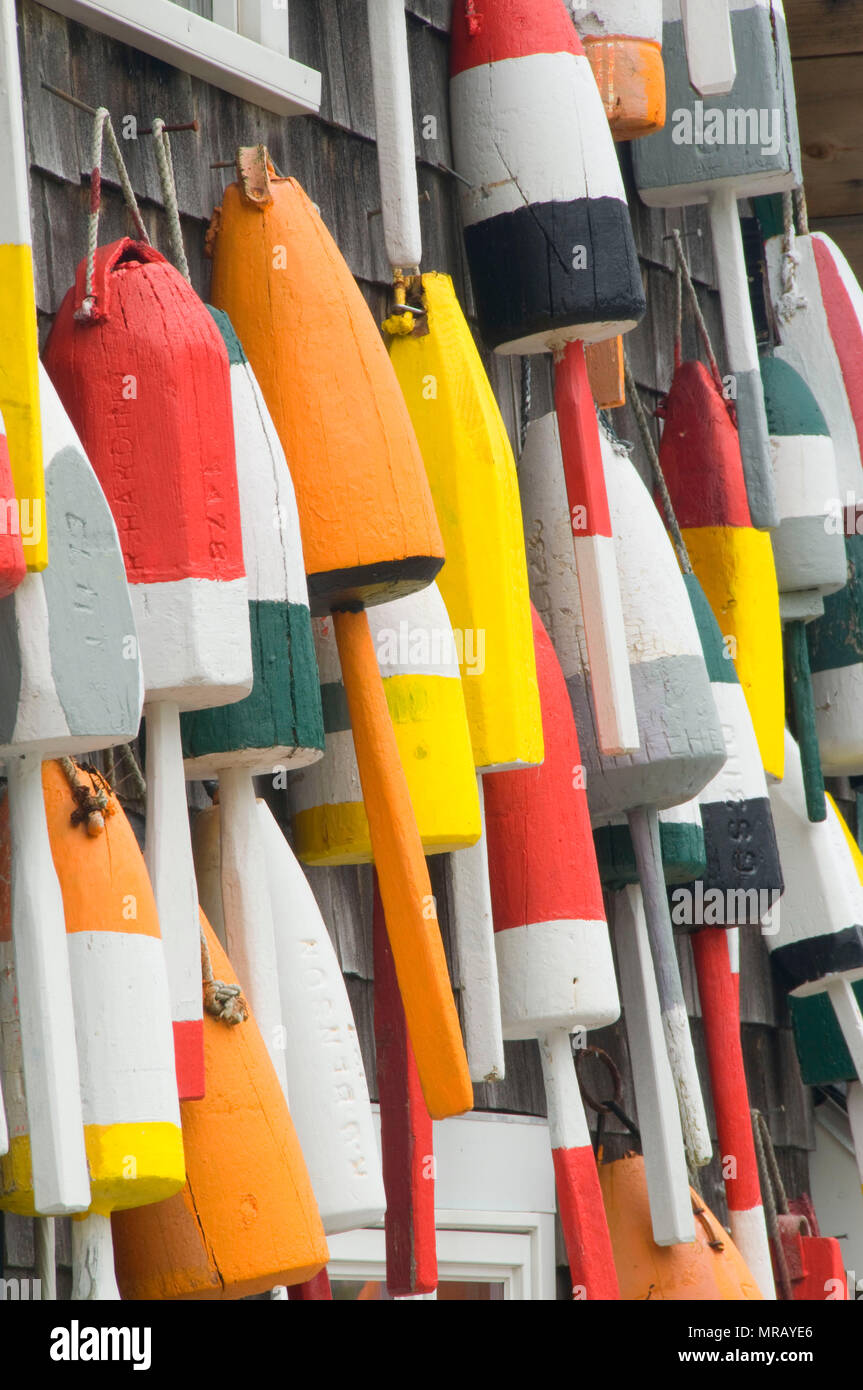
point(394, 129)
point(249, 929)
point(848, 1016)
point(45, 1262)
point(658, 1115)
point(742, 349)
point(93, 1278)
point(60, 1180)
point(854, 1102)
point(4, 1128)
point(567, 1122)
point(330, 1099)
point(474, 934)
point(709, 46)
point(605, 635)
point(168, 855)
point(644, 829)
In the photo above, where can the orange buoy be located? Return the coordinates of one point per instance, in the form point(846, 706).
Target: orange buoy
point(709, 1269)
point(122, 1016)
point(368, 528)
point(246, 1219)
point(623, 43)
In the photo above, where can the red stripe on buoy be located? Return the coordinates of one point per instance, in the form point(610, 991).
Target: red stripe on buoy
point(542, 819)
point(579, 444)
point(510, 29)
point(694, 410)
point(845, 330)
point(582, 1218)
point(407, 1150)
point(720, 1015)
point(189, 1058)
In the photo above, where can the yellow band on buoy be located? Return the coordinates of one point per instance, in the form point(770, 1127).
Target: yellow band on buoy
point(19, 398)
point(117, 1155)
point(428, 717)
point(736, 569)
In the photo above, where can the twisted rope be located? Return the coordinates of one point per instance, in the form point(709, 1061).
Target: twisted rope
point(93, 802)
point(102, 127)
point(791, 298)
point(169, 196)
point(683, 270)
point(524, 412)
point(634, 397)
point(772, 1195)
point(222, 1000)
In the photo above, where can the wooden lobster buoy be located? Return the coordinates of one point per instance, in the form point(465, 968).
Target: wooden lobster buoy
point(623, 43)
point(19, 344)
point(807, 548)
point(472, 475)
point(547, 228)
point(554, 954)
point(553, 264)
point(122, 1024)
point(843, 302)
point(146, 382)
point(702, 156)
point(800, 310)
point(710, 1269)
point(246, 1219)
point(280, 723)
point(836, 663)
point(368, 529)
point(700, 458)
point(818, 947)
point(326, 1083)
point(417, 659)
point(681, 744)
point(681, 840)
point(13, 566)
point(741, 882)
point(71, 683)
point(808, 551)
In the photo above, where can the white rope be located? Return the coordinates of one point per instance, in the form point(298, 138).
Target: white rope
point(169, 197)
point(101, 127)
point(791, 298)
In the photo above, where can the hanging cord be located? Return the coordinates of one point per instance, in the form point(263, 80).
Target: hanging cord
point(678, 316)
point(525, 404)
point(799, 196)
point(773, 1197)
point(683, 267)
point(93, 802)
point(791, 298)
point(102, 127)
point(659, 483)
point(169, 197)
point(223, 1001)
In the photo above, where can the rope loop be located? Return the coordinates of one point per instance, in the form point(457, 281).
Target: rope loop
point(102, 129)
point(684, 272)
point(791, 299)
point(169, 196)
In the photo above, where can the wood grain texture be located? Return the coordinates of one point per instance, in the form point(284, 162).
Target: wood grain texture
point(406, 1134)
point(830, 137)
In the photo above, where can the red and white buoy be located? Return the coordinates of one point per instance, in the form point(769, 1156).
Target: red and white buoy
point(553, 264)
point(554, 956)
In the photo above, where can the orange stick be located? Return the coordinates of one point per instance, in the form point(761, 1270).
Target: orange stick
point(409, 905)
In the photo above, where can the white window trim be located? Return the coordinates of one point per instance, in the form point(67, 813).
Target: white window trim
point(515, 1249)
point(205, 49)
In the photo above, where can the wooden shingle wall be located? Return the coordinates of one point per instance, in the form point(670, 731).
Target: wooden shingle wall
point(334, 158)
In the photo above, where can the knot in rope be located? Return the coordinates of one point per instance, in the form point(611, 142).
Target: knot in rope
point(221, 1000)
point(93, 802)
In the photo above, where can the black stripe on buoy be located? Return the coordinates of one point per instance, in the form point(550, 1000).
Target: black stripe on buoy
point(554, 265)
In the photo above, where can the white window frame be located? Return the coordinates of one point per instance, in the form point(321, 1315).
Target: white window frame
point(245, 53)
point(495, 1222)
point(515, 1249)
